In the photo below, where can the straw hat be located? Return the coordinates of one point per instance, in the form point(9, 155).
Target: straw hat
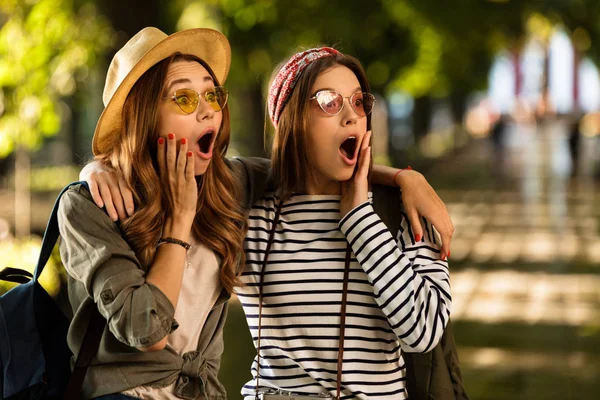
point(148, 47)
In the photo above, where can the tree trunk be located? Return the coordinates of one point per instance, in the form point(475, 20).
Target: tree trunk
point(421, 117)
point(131, 16)
point(248, 130)
point(22, 193)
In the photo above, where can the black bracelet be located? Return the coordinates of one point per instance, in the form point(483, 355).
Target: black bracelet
point(183, 244)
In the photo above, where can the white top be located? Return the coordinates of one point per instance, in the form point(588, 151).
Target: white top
point(398, 298)
point(200, 290)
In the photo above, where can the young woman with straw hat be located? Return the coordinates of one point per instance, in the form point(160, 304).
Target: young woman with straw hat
point(162, 277)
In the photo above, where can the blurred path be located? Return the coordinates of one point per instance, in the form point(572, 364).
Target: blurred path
point(525, 265)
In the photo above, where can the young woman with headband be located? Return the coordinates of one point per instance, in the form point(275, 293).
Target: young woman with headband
point(331, 296)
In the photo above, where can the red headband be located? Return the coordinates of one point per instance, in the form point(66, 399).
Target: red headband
point(288, 75)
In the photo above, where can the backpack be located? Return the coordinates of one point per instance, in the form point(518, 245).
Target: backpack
point(34, 356)
point(436, 374)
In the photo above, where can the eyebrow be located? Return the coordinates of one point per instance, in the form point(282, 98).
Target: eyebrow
point(207, 78)
point(357, 89)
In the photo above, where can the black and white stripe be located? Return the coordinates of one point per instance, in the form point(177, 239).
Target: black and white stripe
point(398, 298)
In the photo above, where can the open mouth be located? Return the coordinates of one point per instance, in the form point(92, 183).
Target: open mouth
point(205, 142)
point(348, 147)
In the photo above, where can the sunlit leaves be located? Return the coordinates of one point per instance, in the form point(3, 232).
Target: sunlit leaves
point(46, 47)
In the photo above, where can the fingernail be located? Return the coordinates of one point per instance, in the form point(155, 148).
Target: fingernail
point(189, 153)
point(443, 258)
point(161, 141)
point(171, 136)
point(130, 211)
point(448, 254)
point(183, 141)
point(417, 238)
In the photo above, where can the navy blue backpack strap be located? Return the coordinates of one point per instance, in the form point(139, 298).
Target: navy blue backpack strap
point(97, 323)
point(93, 333)
point(52, 233)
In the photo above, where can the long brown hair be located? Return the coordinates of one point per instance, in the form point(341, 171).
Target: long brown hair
point(289, 153)
point(219, 222)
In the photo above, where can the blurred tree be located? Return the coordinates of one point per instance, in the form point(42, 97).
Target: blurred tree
point(263, 33)
point(424, 48)
point(128, 17)
point(46, 49)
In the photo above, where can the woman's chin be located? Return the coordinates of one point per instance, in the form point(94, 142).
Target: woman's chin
point(345, 174)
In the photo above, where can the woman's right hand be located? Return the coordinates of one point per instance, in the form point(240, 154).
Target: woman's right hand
point(109, 189)
point(177, 174)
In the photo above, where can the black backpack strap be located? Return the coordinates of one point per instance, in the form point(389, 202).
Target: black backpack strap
point(411, 377)
point(89, 348)
point(15, 275)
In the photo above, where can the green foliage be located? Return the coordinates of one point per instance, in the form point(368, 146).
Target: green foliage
point(263, 33)
point(52, 178)
point(46, 49)
point(424, 47)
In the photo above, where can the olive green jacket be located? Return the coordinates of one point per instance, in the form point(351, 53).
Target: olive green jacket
point(104, 272)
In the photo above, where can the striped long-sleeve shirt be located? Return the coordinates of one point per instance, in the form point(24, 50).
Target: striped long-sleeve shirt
point(398, 298)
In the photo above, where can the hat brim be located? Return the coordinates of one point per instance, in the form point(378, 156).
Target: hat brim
point(209, 45)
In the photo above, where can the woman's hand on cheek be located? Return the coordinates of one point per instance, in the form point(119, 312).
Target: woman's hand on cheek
point(355, 190)
point(177, 174)
point(109, 190)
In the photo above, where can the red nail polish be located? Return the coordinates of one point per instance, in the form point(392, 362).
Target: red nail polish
point(183, 141)
point(417, 238)
point(161, 141)
point(171, 136)
point(448, 254)
point(189, 153)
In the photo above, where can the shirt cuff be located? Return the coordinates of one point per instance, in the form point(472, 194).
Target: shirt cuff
point(355, 215)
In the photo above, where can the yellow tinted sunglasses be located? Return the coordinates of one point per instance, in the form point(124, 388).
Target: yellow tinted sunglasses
point(188, 99)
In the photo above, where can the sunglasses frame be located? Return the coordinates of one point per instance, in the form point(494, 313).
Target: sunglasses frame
point(202, 95)
point(316, 97)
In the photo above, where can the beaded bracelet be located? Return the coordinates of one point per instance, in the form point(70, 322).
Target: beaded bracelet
point(400, 170)
point(183, 244)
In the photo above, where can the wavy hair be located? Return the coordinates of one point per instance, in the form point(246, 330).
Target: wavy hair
point(219, 222)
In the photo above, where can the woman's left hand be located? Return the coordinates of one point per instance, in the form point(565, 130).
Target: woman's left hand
point(419, 198)
point(355, 191)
